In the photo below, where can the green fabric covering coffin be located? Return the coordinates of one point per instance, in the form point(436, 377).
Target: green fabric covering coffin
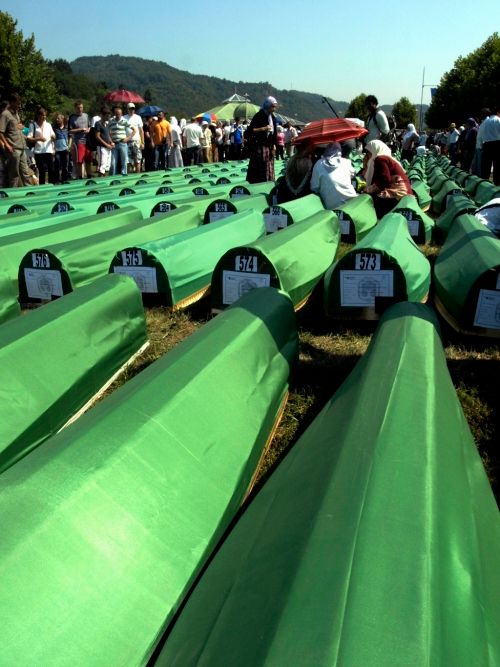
point(485, 192)
point(58, 269)
point(245, 189)
point(293, 259)
point(420, 225)
point(471, 184)
point(56, 358)
point(9, 305)
point(281, 216)
point(458, 205)
point(179, 268)
point(376, 542)
point(441, 199)
point(385, 267)
point(106, 526)
point(356, 217)
point(422, 193)
point(467, 278)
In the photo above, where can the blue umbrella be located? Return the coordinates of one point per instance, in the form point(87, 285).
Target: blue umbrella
point(149, 110)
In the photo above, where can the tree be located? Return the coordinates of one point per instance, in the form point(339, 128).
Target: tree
point(472, 83)
point(404, 112)
point(148, 96)
point(23, 68)
point(357, 107)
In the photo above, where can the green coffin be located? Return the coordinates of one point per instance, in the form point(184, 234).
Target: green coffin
point(245, 189)
point(356, 217)
point(471, 184)
point(467, 278)
point(294, 259)
point(375, 543)
point(9, 305)
point(179, 268)
point(57, 269)
point(441, 199)
point(281, 216)
point(57, 358)
point(106, 526)
point(420, 225)
point(385, 267)
point(485, 192)
point(458, 205)
point(421, 192)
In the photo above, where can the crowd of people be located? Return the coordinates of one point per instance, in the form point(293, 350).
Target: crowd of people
point(114, 142)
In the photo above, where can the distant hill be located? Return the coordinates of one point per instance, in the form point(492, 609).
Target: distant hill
point(183, 94)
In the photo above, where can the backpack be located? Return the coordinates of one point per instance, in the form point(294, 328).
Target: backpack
point(91, 140)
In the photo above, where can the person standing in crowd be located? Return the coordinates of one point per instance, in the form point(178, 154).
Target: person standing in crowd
point(136, 145)
point(488, 140)
point(161, 136)
point(219, 143)
point(42, 137)
point(377, 123)
point(205, 142)
point(280, 143)
point(332, 177)
point(290, 134)
point(409, 143)
point(175, 152)
point(78, 129)
point(192, 142)
point(237, 139)
point(104, 143)
point(468, 144)
point(118, 128)
point(386, 180)
point(149, 149)
point(14, 144)
point(453, 136)
point(61, 146)
point(262, 143)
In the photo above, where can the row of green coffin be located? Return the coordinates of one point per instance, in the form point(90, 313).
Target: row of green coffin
point(148, 197)
point(130, 180)
point(56, 358)
point(375, 542)
point(107, 524)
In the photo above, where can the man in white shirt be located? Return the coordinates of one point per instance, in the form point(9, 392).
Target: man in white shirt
point(290, 134)
point(136, 145)
point(488, 140)
point(191, 138)
point(377, 123)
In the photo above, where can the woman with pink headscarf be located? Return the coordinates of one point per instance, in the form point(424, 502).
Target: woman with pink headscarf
point(386, 180)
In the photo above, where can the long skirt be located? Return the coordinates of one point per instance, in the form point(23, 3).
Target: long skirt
point(261, 165)
point(175, 157)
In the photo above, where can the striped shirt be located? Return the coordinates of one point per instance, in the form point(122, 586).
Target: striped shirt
point(118, 129)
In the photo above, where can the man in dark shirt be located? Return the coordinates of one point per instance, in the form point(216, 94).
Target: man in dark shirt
point(13, 143)
point(78, 128)
point(104, 143)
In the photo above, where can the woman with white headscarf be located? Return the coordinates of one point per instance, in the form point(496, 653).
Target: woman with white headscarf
point(332, 177)
point(174, 153)
point(262, 140)
point(410, 140)
point(386, 180)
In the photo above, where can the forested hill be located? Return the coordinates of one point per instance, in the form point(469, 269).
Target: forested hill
point(183, 94)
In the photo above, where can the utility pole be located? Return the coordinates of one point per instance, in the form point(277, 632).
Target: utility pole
point(424, 85)
point(325, 101)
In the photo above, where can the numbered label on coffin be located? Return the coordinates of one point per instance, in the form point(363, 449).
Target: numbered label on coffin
point(413, 220)
point(144, 276)
point(275, 219)
point(60, 207)
point(131, 257)
point(40, 260)
point(488, 309)
point(220, 209)
point(237, 283)
point(238, 192)
point(162, 207)
point(358, 289)
point(42, 284)
point(367, 261)
point(246, 263)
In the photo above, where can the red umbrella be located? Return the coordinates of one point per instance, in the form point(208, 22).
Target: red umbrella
point(327, 130)
point(123, 96)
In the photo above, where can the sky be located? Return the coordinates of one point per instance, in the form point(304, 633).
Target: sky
point(336, 49)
